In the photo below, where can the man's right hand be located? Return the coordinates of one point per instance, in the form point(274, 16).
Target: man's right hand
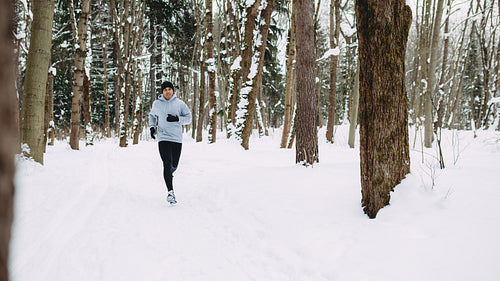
point(153, 132)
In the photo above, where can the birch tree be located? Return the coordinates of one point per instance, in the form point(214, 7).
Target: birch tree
point(210, 62)
point(35, 81)
point(78, 76)
point(290, 58)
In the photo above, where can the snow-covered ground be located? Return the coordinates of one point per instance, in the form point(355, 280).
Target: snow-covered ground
point(101, 214)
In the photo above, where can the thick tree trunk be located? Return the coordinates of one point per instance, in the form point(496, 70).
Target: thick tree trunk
point(290, 58)
point(80, 54)
point(8, 129)
point(383, 28)
point(306, 148)
point(35, 81)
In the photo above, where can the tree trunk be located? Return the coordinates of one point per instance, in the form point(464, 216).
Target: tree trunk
point(486, 46)
point(35, 81)
point(383, 28)
point(201, 108)
point(354, 110)
point(431, 82)
point(242, 133)
point(125, 42)
point(428, 132)
point(7, 120)
point(334, 39)
point(210, 61)
point(86, 110)
point(80, 54)
point(253, 84)
point(457, 77)
point(290, 58)
point(442, 82)
point(138, 106)
point(306, 148)
point(195, 66)
point(49, 111)
point(107, 123)
point(235, 81)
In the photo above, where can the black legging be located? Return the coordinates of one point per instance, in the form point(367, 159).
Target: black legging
point(170, 152)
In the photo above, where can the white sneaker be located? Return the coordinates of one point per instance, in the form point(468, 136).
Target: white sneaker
point(171, 197)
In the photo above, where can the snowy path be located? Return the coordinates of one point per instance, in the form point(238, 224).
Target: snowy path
point(101, 214)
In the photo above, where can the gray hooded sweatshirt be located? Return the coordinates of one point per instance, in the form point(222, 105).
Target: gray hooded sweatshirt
point(169, 131)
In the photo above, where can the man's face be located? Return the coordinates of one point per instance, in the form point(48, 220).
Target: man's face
point(168, 93)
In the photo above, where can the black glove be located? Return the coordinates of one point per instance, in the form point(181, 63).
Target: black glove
point(153, 132)
point(172, 118)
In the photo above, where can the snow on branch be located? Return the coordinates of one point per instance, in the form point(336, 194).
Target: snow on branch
point(331, 52)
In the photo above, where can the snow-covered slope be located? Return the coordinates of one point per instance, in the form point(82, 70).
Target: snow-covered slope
point(101, 214)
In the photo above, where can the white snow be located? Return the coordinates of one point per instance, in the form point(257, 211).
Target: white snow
point(330, 52)
point(236, 64)
point(249, 3)
point(100, 213)
point(53, 70)
point(494, 100)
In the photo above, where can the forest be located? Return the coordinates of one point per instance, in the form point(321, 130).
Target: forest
point(88, 70)
point(108, 59)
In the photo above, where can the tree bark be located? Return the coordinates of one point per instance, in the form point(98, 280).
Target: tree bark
point(125, 44)
point(354, 110)
point(35, 81)
point(49, 111)
point(8, 122)
point(138, 106)
point(201, 108)
point(334, 39)
point(210, 61)
point(246, 63)
point(428, 132)
point(431, 82)
point(86, 110)
point(306, 148)
point(383, 28)
point(80, 54)
point(290, 58)
point(107, 123)
point(235, 81)
point(254, 83)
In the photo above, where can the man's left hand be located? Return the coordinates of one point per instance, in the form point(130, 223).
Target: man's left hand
point(172, 118)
